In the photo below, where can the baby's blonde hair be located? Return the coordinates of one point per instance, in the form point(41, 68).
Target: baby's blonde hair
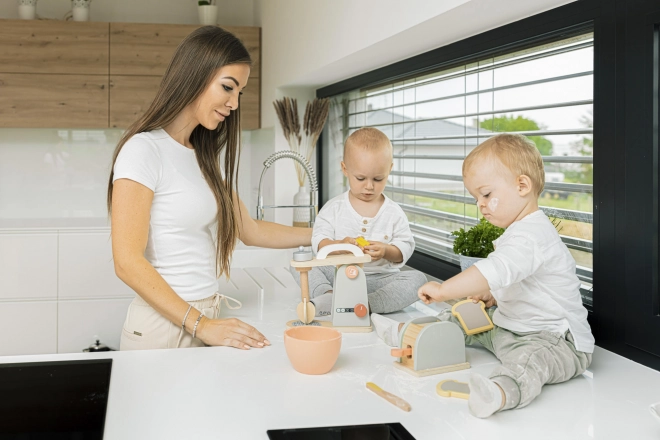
point(368, 138)
point(516, 152)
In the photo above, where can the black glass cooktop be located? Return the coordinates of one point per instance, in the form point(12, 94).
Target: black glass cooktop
point(54, 400)
point(383, 431)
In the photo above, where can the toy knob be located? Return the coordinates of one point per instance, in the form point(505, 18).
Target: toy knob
point(352, 272)
point(360, 310)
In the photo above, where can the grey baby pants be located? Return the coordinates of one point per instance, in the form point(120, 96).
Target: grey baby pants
point(387, 292)
point(529, 360)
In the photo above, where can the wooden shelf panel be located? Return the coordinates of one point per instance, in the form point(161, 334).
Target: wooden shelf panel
point(131, 95)
point(50, 46)
point(53, 101)
point(146, 49)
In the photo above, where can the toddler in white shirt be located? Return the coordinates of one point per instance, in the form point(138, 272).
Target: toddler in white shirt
point(365, 211)
point(541, 333)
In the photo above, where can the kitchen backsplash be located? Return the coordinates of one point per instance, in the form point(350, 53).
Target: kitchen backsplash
point(55, 173)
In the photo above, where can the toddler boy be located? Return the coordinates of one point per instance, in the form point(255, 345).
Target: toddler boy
point(541, 333)
point(365, 211)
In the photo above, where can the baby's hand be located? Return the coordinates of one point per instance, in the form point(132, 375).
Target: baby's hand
point(430, 292)
point(487, 298)
point(376, 250)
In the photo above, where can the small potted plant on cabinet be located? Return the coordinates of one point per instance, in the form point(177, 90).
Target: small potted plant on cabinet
point(475, 243)
point(208, 12)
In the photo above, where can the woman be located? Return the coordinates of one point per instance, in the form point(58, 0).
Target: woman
point(175, 215)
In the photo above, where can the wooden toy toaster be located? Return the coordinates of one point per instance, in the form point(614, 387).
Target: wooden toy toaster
point(429, 346)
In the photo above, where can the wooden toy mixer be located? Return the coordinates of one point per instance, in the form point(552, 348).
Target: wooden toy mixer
point(429, 346)
point(350, 304)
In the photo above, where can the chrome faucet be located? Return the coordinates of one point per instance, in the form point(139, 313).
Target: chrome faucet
point(311, 175)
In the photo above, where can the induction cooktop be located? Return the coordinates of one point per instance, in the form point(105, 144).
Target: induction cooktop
point(54, 400)
point(381, 431)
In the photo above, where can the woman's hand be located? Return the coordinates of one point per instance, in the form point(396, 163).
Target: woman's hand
point(230, 332)
point(431, 292)
point(486, 297)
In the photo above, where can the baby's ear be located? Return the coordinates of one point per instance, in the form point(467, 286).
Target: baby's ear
point(524, 184)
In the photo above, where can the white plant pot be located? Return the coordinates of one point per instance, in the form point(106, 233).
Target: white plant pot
point(467, 261)
point(302, 216)
point(208, 15)
point(80, 14)
point(27, 12)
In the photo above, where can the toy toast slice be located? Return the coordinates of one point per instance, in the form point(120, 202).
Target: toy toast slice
point(473, 317)
point(453, 388)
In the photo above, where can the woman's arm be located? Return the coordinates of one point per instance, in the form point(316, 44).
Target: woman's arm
point(131, 207)
point(269, 234)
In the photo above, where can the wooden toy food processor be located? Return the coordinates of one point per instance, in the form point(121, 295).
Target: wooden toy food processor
point(350, 304)
point(429, 346)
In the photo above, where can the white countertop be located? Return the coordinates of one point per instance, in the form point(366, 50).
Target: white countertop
point(218, 392)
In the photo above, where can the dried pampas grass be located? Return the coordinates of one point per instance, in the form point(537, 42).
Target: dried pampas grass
point(316, 113)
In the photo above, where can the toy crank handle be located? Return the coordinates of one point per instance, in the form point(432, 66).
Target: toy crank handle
point(304, 282)
point(339, 247)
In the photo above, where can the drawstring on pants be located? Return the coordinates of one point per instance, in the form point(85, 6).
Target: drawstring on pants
point(215, 307)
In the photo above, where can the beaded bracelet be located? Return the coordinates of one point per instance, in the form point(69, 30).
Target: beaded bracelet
point(199, 318)
point(183, 324)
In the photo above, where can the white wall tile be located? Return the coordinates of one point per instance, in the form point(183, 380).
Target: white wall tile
point(86, 269)
point(28, 266)
point(79, 321)
point(28, 328)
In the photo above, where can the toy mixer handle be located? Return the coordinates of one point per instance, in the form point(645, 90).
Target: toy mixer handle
point(339, 247)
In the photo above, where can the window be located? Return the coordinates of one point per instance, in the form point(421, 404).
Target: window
point(434, 120)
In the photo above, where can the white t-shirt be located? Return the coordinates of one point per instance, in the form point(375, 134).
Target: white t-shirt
point(181, 246)
point(338, 220)
point(531, 274)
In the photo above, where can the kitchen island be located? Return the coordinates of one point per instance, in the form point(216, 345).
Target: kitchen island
point(224, 393)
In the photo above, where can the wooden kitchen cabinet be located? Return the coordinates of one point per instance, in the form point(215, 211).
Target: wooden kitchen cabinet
point(139, 55)
point(51, 46)
point(130, 96)
point(146, 49)
point(53, 100)
point(96, 75)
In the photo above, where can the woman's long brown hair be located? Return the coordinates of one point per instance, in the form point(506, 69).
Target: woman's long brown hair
point(192, 68)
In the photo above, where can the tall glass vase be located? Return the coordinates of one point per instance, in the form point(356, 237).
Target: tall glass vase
point(301, 216)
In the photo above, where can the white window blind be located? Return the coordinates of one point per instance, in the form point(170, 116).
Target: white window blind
point(434, 120)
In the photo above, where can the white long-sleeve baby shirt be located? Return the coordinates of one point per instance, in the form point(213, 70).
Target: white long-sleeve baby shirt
point(338, 220)
point(532, 276)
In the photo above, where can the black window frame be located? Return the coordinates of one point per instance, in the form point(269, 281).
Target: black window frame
point(612, 260)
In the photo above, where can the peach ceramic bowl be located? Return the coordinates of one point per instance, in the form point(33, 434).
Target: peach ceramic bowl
point(312, 349)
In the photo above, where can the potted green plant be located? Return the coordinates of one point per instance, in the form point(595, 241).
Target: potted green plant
point(208, 12)
point(475, 243)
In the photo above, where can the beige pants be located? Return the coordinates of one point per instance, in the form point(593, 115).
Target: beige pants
point(146, 329)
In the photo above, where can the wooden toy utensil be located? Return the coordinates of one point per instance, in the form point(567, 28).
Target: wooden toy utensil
point(305, 310)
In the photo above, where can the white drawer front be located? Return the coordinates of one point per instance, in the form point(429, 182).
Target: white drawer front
point(79, 321)
point(86, 269)
point(28, 266)
point(28, 328)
